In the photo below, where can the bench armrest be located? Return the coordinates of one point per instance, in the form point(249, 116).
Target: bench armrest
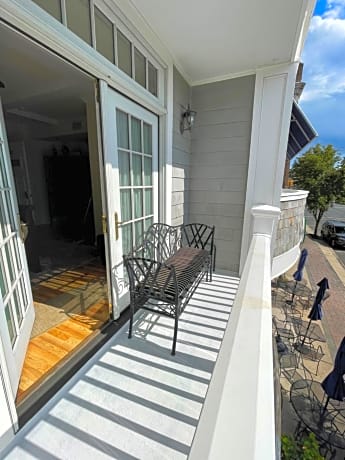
point(151, 277)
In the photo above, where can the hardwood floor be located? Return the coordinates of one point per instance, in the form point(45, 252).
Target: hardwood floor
point(84, 315)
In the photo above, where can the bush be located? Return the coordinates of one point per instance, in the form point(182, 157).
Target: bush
point(306, 449)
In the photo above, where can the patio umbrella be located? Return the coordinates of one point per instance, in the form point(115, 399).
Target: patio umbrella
point(334, 385)
point(298, 275)
point(316, 313)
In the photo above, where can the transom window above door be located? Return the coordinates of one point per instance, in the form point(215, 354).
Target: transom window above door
point(98, 26)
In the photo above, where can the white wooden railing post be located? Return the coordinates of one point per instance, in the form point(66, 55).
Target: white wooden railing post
point(238, 419)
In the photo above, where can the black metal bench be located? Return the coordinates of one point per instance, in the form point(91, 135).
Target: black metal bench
point(166, 268)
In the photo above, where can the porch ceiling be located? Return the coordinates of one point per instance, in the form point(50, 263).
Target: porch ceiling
point(211, 40)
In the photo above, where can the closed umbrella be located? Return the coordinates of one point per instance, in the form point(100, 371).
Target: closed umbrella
point(298, 275)
point(316, 313)
point(334, 385)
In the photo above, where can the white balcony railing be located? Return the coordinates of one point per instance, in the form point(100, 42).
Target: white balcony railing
point(238, 418)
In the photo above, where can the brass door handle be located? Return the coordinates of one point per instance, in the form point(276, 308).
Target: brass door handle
point(117, 225)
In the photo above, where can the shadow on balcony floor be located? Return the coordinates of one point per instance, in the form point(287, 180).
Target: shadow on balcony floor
point(133, 399)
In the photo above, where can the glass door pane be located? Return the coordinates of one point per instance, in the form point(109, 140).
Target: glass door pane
point(16, 306)
point(135, 174)
point(131, 165)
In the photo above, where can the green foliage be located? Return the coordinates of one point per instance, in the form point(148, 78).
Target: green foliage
point(307, 449)
point(321, 171)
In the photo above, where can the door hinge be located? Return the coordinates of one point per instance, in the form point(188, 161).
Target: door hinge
point(104, 224)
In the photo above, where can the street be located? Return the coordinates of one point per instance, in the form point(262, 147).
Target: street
point(336, 212)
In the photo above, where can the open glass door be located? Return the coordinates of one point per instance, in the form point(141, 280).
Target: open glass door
point(16, 305)
point(130, 139)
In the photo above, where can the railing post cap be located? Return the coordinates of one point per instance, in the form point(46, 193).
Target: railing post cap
point(265, 217)
point(265, 210)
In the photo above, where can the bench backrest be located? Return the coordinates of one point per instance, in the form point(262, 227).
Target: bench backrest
point(160, 242)
point(199, 236)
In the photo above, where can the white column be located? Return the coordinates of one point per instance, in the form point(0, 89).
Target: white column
point(274, 88)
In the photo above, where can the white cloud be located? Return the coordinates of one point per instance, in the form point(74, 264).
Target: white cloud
point(324, 55)
point(334, 9)
point(323, 98)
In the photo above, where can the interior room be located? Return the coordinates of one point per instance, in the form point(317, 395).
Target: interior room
point(49, 111)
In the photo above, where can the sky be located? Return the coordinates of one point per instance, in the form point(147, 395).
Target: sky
point(323, 98)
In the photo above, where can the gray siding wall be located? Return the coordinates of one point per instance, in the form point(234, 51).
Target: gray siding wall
point(219, 162)
point(181, 153)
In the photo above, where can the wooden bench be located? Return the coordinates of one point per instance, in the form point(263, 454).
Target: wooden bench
point(166, 268)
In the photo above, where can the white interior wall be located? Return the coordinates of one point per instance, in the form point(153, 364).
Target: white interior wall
point(219, 162)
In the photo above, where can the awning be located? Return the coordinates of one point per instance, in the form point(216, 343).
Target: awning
point(301, 131)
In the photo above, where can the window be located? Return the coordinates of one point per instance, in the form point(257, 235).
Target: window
point(108, 40)
point(140, 68)
point(78, 18)
point(153, 86)
point(104, 36)
point(124, 53)
point(53, 7)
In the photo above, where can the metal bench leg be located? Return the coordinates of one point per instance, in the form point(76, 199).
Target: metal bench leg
point(173, 351)
point(130, 322)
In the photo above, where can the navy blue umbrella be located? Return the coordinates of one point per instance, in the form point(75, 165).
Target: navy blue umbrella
point(298, 275)
point(334, 385)
point(316, 309)
point(316, 313)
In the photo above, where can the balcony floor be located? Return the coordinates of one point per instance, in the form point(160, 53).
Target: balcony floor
point(133, 399)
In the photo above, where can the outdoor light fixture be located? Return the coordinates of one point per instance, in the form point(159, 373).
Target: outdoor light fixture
point(187, 120)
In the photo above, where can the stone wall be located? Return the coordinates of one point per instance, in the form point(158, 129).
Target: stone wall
point(291, 228)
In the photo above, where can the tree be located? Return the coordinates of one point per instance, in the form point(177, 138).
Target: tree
point(321, 171)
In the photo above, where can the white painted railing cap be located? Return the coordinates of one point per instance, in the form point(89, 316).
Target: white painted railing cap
point(265, 217)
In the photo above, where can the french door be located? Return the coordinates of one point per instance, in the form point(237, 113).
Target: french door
point(16, 305)
point(130, 140)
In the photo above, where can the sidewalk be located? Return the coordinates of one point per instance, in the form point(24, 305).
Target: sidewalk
point(321, 262)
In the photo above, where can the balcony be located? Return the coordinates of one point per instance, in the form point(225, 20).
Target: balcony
point(134, 400)
point(290, 230)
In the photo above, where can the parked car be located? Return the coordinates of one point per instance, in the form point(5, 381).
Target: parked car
point(333, 231)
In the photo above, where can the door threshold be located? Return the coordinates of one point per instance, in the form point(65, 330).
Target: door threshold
point(46, 388)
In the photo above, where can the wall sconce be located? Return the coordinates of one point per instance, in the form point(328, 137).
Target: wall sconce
point(187, 120)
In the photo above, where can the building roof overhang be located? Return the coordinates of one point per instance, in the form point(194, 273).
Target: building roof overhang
point(211, 41)
point(301, 131)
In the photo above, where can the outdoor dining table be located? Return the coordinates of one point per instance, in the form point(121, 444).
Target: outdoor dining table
point(300, 289)
point(307, 399)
